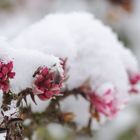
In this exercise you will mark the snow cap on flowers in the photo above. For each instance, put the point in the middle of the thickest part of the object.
(26, 62)
(92, 50)
(25, 68)
(131, 64)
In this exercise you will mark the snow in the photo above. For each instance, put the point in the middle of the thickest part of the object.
(26, 62)
(73, 104)
(2, 136)
(125, 24)
(13, 111)
(92, 49)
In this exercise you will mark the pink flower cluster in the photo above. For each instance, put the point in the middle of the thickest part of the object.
(6, 73)
(47, 83)
(107, 104)
(134, 80)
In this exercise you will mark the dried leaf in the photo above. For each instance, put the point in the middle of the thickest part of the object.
(2, 113)
(25, 99)
(15, 120)
(125, 4)
(19, 102)
(67, 117)
(33, 98)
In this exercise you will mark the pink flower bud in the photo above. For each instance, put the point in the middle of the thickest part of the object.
(6, 73)
(107, 104)
(47, 83)
(134, 80)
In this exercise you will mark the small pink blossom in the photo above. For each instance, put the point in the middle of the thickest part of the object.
(134, 89)
(134, 80)
(47, 83)
(6, 73)
(107, 104)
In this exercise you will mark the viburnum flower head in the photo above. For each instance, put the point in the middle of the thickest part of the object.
(6, 73)
(47, 83)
